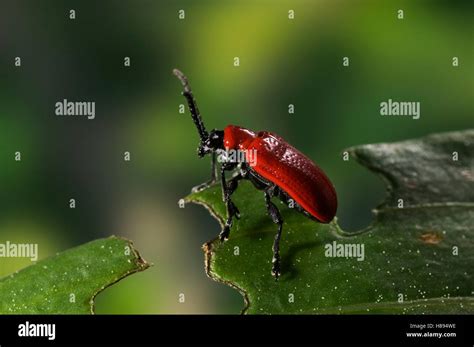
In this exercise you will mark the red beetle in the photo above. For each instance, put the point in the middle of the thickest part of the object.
(271, 164)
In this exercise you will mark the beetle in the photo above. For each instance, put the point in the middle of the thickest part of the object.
(280, 171)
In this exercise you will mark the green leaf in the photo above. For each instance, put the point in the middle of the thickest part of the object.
(417, 259)
(69, 281)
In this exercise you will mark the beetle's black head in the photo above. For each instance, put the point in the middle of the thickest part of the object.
(213, 142)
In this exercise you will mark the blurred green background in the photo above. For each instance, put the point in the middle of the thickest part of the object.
(282, 62)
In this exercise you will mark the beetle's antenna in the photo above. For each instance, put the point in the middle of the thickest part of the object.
(188, 94)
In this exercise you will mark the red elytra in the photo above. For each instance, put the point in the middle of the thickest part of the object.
(282, 164)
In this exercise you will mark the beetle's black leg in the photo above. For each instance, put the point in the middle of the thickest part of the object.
(276, 217)
(213, 179)
(227, 189)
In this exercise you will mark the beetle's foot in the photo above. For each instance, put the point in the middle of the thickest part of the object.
(202, 186)
(224, 235)
(276, 267)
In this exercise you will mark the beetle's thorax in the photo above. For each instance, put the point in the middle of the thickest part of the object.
(236, 137)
